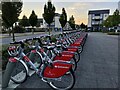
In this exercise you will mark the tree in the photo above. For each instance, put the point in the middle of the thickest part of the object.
(24, 21)
(72, 22)
(112, 20)
(10, 13)
(116, 18)
(83, 26)
(7, 26)
(108, 22)
(49, 13)
(77, 26)
(63, 18)
(33, 20)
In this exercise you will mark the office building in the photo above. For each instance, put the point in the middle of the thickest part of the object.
(96, 18)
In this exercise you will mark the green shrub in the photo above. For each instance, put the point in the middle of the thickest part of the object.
(19, 29)
(112, 30)
(104, 31)
(5, 55)
(113, 33)
(3, 31)
(54, 39)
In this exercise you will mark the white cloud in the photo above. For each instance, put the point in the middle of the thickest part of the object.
(80, 6)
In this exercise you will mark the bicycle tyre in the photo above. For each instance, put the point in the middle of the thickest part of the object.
(33, 57)
(17, 73)
(80, 49)
(71, 76)
(77, 56)
(74, 67)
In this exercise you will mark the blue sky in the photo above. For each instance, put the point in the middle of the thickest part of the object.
(78, 8)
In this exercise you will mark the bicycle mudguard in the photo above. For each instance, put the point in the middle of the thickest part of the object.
(79, 39)
(73, 49)
(58, 70)
(12, 59)
(67, 54)
(75, 44)
(65, 58)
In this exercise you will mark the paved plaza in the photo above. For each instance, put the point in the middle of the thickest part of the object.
(98, 67)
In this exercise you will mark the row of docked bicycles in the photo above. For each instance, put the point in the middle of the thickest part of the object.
(54, 62)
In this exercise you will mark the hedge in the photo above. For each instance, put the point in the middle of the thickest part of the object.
(113, 33)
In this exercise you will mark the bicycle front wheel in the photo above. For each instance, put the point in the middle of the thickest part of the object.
(65, 82)
(19, 73)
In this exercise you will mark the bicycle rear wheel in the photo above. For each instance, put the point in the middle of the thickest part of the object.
(80, 49)
(19, 73)
(77, 57)
(35, 58)
(74, 66)
(65, 82)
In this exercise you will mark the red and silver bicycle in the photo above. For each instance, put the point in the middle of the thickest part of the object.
(51, 72)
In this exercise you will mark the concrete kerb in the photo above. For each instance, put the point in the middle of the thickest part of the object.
(20, 34)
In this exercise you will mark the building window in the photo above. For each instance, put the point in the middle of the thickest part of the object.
(97, 14)
(97, 19)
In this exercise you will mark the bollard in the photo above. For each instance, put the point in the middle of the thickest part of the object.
(7, 74)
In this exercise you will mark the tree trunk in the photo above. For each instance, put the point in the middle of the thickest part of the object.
(32, 30)
(49, 29)
(62, 30)
(13, 34)
(9, 31)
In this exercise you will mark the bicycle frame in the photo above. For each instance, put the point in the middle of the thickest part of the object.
(43, 70)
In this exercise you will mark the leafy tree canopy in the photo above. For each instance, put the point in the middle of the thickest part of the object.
(49, 13)
(83, 25)
(63, 18)
(24, 21)
(112, 20)
(33, 19)
(72, 22)
(11, 11)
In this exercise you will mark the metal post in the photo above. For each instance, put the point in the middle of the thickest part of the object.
(7, 74)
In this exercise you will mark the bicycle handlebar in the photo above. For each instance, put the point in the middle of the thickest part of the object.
(16, 42)
(28, 39)
(36, 38)
(19, 42)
